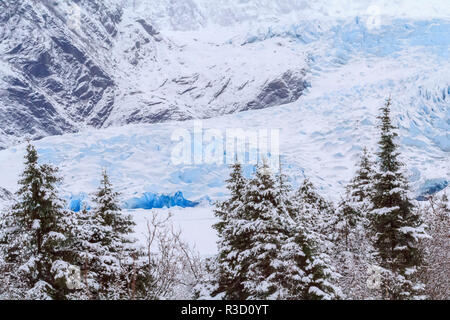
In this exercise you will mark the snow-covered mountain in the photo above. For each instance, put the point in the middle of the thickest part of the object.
(53, 78)
(70, 64)
(117, 77)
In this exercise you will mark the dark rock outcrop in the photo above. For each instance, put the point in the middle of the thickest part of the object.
(288, 88)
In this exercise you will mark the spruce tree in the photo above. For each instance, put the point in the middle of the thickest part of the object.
(284, 197)
(266, 250)
(286, 260)
(267, 234)
(361, 186)
(351, 216)
(436, 271)
(231, 245)
(353, 209)
(321, 211)
(111, 260)
(353, 245)
(313, 234)
(35, 235)
(397, 227)
(251, 235)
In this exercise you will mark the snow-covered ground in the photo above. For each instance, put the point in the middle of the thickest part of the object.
(195, 225)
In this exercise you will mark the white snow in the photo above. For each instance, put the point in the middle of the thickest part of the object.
(196, 14)
(194, 223)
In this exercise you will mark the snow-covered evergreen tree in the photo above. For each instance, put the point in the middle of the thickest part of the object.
(264, 252)
(397, 227)
(436, 271)
(35, 236)
(322, 213)
(352, 253)
(266, 229)
(114, 267)
(314, 235)
(232, 243)
(361, 187)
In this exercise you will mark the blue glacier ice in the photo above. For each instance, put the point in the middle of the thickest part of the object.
(147, 201)
(431, 187)
(156, 201)
(351, 37)
(76, 202)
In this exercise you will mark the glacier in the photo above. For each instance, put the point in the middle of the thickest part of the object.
(77, 202)
(140, 70)
(154, 201)
(431, 187)
(147, 201)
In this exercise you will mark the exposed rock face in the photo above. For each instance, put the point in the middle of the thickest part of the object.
(53, 79)
(287, 89)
